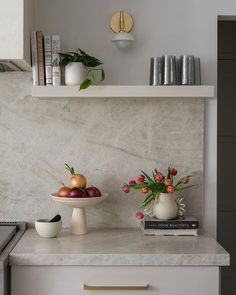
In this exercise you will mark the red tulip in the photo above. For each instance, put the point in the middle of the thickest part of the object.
(173, 171)
(139, 215)
(159, 177)
(170, 189)
(145, 190)
(141, 178)
(125, 189)
(185, 179)
(132, 182)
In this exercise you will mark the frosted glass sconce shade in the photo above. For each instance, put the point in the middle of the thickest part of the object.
(122, 24)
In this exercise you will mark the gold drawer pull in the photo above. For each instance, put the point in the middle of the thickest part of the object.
(115, 288)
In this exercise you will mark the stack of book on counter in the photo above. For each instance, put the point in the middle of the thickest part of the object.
(45, 59)
(185, 226)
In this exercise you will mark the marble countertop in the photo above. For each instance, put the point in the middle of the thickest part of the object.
(117, 247)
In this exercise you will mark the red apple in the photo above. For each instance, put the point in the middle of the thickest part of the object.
(93, 192)
(77, 193)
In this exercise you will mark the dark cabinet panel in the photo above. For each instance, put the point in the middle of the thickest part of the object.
(226, 237)
(228, 282)
(227, 97)
(226, 37)
(226, 149)
(226, 172)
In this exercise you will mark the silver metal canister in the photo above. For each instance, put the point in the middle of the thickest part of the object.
(156, 71)
(187, 70)
(170, 70)
(184, 70)
(191, 70)
(197, 71)
(173, 70)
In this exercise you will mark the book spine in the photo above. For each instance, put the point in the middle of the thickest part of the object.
(56, 44)
(56, 76)
(48, 59)
(40, 50)
(34, 58)
(56, 72)
(170, 234)
(171, 225)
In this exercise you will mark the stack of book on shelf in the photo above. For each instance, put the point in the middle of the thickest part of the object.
(185, 226)
(45, 59)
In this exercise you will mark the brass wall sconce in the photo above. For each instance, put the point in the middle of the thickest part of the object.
(121, 24)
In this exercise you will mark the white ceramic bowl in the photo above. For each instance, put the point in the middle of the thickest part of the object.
(80, 202)
(48, 229)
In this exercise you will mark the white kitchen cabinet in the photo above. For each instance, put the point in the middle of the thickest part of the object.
(16, 21)
(153, 280)
(119, 258)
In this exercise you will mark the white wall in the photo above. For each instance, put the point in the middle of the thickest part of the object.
(161, 27)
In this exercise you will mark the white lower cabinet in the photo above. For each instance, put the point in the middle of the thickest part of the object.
(92, 280)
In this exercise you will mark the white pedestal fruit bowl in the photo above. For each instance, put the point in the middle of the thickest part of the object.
(78, 221)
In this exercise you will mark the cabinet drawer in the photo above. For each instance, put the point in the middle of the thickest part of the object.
(92, 280)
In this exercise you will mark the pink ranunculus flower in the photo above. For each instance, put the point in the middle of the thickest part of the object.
(132, 182)
(185, 179)
(159, 177)
(141, 178)
(125, 189)
(168, 182)
(170, 189)
(145, 190)
(139, 215)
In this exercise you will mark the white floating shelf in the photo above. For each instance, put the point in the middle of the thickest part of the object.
(134, 91)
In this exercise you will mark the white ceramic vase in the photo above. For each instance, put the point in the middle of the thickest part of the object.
(75, 73)
(165, 206)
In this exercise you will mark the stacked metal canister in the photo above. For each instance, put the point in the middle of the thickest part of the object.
(168, 70)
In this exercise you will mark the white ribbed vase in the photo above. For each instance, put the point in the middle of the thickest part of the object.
(75, 73)
(165, 206)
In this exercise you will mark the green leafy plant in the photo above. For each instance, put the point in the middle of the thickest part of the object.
(91, 63)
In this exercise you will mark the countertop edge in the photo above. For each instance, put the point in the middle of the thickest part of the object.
(120, 260)
(117, 247)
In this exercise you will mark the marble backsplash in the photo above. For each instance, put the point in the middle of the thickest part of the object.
(108, 140)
